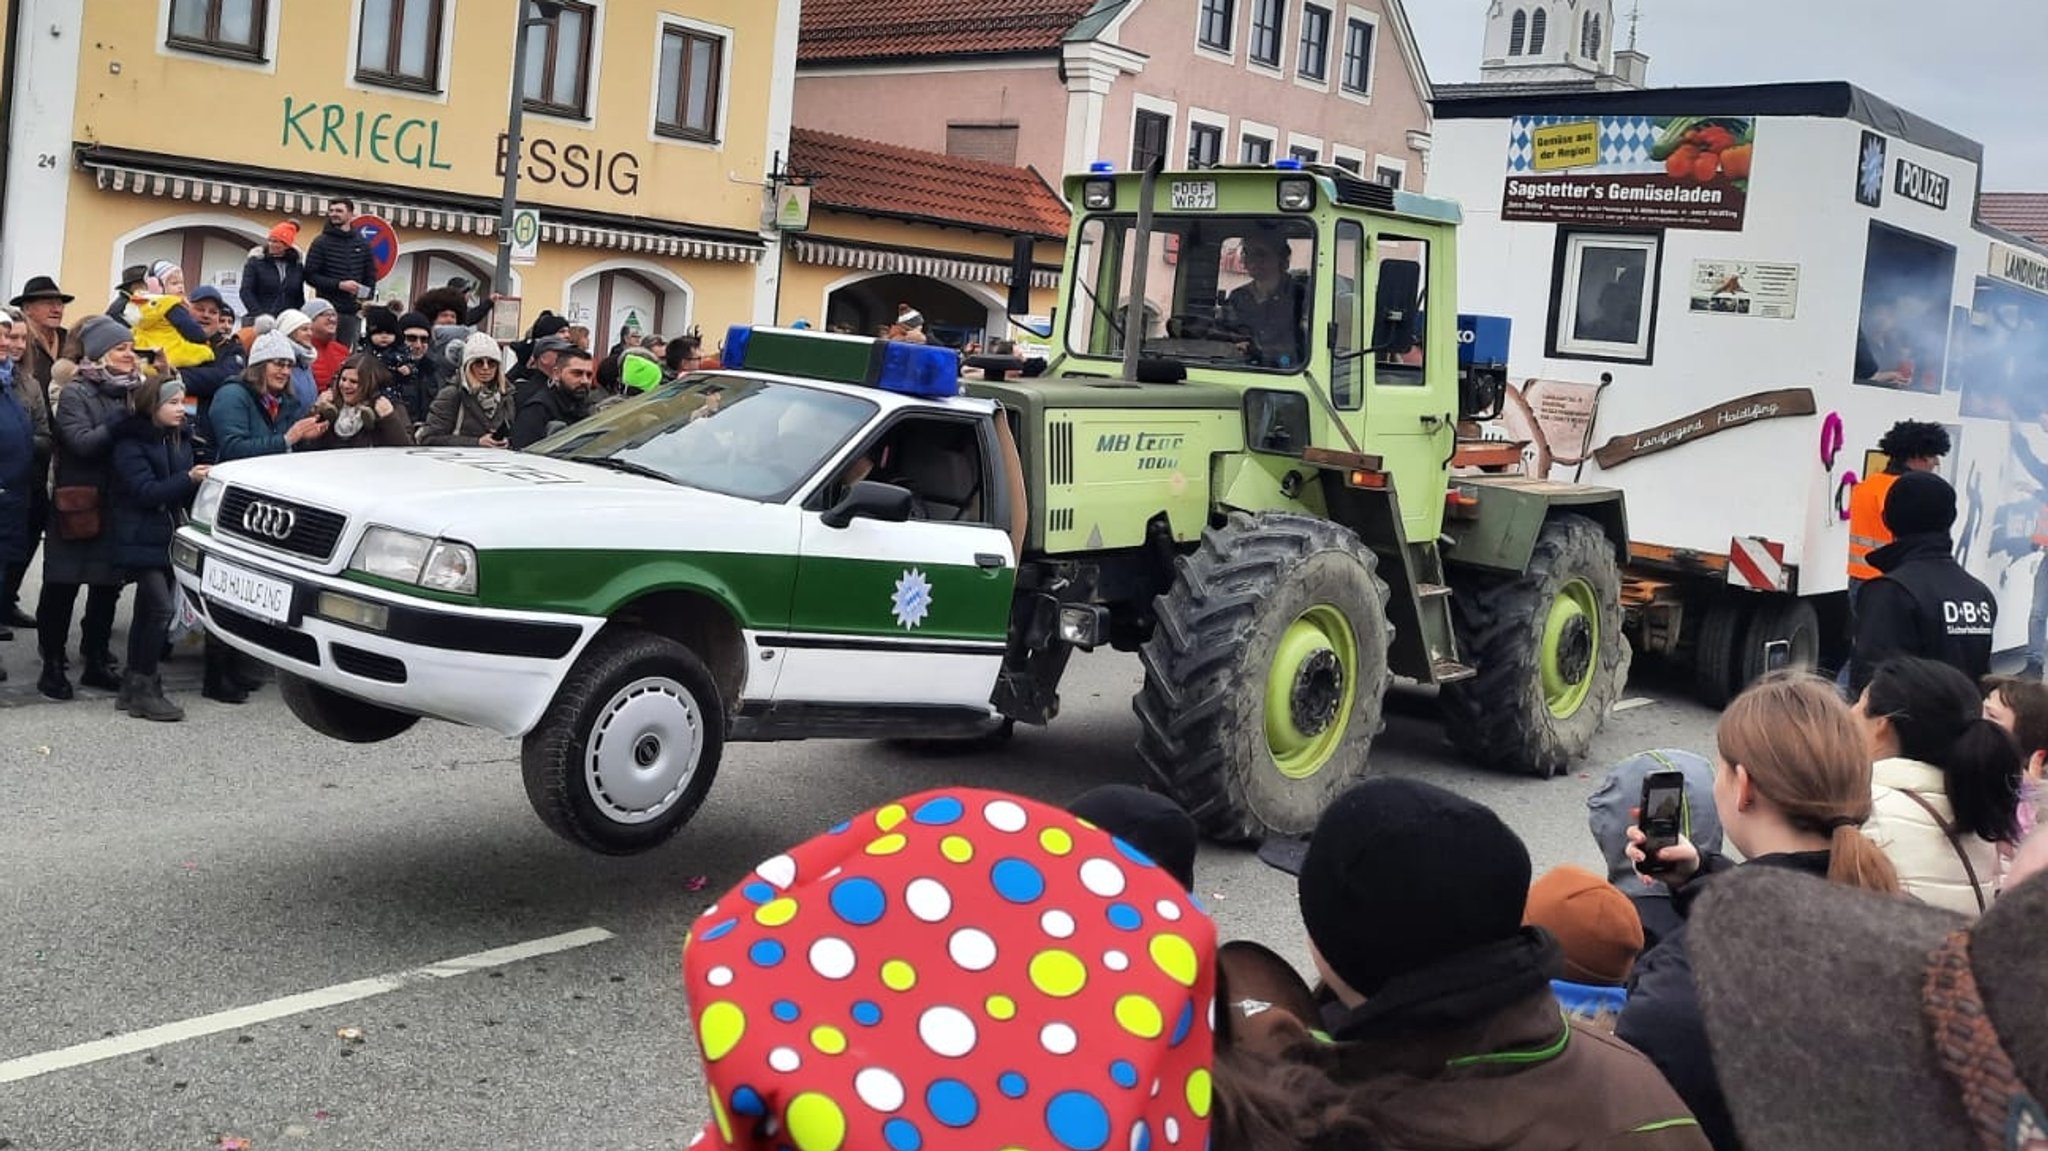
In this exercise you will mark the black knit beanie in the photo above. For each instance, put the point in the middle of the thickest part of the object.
(379, 321)
(413, 320)
(1919, 503)
(1401, 875)
(1148, 821)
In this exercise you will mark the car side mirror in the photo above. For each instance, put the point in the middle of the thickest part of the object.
(869, 500)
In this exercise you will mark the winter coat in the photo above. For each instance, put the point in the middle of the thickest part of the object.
(164, 323)
(243, 429)
(1927, 860)
(32, 377)
(1924, 605)
(203, 383)
(1475, 1052)
(327, 360)
(305, 388)
(270, 287)
(338, 254)
(392, 431)
(87, 413)
(546, 412)
(1662, 1019)
(17, 475)
(457, 419)
(152, 486)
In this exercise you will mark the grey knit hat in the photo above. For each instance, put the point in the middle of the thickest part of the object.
(1843, 1018)
(101, 334)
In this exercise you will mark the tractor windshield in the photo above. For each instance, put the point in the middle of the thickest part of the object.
(729, 434)
(1220, 290)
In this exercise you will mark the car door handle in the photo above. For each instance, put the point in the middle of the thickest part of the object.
(990, 560)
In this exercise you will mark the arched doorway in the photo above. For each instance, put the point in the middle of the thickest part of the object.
(609, 297)
(210, 251)
(422, 267)
(952, 315)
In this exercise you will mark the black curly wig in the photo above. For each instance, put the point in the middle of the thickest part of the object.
(1913, 440)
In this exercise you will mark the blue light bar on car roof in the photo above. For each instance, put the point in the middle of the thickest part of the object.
(892, 366)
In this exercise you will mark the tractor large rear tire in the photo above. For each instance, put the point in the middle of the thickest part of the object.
(1549, 651)
(1265, 675)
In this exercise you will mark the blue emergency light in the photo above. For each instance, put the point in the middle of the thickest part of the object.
(891, 365)
(1288, 164)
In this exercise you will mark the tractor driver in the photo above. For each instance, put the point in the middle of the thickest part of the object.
(1270, 314)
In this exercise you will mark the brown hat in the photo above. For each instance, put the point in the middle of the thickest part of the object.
(1841, 1018)
(1595, 924)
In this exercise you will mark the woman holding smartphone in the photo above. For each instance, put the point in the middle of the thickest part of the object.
(1792, 789)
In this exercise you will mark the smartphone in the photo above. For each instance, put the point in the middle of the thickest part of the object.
(1662, 817)
(1777, 655)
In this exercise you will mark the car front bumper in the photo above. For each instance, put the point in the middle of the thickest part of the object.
(479, 667)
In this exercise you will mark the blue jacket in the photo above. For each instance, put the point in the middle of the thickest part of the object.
(152, 484)
(17, 475)
(204, 382)
(240, 427)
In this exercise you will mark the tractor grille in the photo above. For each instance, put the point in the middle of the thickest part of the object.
(1059, 451)
(1059, 520)
(283, 525)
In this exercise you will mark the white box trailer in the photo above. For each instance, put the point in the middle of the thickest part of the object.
(1720, 299)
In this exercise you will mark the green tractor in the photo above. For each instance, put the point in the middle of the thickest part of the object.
(1242, 464)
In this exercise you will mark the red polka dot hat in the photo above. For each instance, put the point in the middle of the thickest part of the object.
(957, 971)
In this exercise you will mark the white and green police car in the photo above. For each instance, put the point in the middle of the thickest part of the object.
(817, 541)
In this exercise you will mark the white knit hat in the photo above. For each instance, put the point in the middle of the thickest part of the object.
(272, 346)
(291, 320)
(481, 347)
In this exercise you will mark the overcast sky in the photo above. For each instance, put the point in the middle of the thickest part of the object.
(1975, 66)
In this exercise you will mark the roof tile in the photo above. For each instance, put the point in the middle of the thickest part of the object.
(849, 30)
(2021, 213)
(891, 180)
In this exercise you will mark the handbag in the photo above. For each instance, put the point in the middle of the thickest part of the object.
(78, 511)
(1948, 829)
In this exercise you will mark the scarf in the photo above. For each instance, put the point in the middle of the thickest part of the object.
(490, 399)
(1459, 991)
(108, 382)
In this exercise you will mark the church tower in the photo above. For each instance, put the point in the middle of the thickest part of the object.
(1559, 42)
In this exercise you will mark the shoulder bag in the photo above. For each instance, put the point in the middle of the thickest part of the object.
(1948, 829)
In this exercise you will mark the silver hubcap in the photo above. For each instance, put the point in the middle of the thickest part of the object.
(644, 749)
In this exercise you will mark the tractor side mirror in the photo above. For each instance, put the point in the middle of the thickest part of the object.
(1397, 304)
(869, 500)
(1021, 267)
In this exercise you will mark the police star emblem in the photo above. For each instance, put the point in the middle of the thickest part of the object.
(912, 600)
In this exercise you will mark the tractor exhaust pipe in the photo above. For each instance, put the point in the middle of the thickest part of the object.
(1141, 268)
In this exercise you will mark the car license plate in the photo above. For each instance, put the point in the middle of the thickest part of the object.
(246, 591)
(1194, 195)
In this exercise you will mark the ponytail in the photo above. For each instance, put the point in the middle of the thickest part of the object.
(1939, 719)
(1855, 860)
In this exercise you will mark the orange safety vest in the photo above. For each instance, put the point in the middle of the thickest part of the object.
(1867, 532)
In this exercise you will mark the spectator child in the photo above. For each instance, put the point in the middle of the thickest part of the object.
(1946, 782)
(2020, 706)
(1600, 935)
(154, 478)
(400, 344)
(1611, 812)
(1148, 821)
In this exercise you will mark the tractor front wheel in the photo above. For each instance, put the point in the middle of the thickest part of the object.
(1265, 675)
(1549, 651)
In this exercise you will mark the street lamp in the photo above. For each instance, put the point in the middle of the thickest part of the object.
(537, 14)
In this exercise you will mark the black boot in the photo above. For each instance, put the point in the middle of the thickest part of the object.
(245, 673)
(54, 683)
(146, 700)
(102, 671)
(126, 699)
(220, 683)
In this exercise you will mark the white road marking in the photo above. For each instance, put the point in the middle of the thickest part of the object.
(1632, 704)
(30, 1066)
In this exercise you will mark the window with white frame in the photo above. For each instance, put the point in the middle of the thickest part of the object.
(219, 27)
(687, 101)
(1350, 163)
(1150, 135)
(1391, 177)
(556, 74)
(1304, 153)
(1605, 308)
(1255, 149)
(399, 44)
(1314, 60)
(1268, 21)
(1217, 18)
(1205, 144)
(1358, 44)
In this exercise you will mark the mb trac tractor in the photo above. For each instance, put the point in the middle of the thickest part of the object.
(1243, 462)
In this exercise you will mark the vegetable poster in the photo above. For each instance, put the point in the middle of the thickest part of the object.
(1630, 171)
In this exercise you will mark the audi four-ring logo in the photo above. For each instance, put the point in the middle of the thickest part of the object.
(269, 521)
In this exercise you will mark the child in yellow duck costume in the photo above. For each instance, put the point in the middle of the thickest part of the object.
(162, 322)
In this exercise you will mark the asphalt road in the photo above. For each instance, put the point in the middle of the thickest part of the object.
(151, 875)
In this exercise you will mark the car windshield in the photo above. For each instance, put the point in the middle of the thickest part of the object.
(1219, 290)
(743, 437)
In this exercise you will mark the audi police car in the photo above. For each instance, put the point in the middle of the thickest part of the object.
(734, 555)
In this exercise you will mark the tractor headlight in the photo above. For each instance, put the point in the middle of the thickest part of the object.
(1297, 195)
(206, 505)
(1098, 195)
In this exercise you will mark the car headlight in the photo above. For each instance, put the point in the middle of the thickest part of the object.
(206, 505)
(450, 567)
(392, 554)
